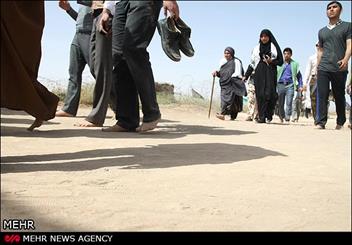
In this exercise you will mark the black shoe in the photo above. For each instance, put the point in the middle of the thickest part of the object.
(170, 38)
(185, 44)
(259, 120)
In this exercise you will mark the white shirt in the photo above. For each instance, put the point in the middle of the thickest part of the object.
(255, 58)
(311, 69)
(330, 27)
(110, 5)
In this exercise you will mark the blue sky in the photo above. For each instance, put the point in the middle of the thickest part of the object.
(215, 25)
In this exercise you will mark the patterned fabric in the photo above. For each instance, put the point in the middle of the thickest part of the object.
(252, 105)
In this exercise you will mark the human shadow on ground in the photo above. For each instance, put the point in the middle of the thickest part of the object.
(164, 131)
(5, 111)
(23, 121)
(159, 156)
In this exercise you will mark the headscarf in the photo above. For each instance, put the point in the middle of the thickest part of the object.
(265, 49)
(85, 3)
(231, 51)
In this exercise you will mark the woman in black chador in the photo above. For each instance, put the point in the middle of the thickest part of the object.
(266, 56)
(232, 87)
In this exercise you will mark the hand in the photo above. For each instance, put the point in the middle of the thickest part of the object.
(172, 7)
(103, 25)
(342, 64)
(300, 89)
(349, 89)
(267, 59)
(65, 5)
(244, 79)
(214, 73)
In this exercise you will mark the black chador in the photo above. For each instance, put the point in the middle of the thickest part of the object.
(232, 88)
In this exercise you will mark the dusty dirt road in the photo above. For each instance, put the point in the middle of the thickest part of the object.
(190, 174)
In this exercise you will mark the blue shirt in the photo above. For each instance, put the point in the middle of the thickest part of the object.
(286, 76)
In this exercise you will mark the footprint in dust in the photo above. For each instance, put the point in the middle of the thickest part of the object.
(211, 211)
(98, 182)
(65, 182)
(216, 211)
(20, 192)
(203, 210)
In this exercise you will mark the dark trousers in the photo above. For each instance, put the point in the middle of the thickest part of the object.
(266, 108)
(297, 106)
(313, 97)
(338, 82)
(79, 58)
(133, 27)
(101, 67)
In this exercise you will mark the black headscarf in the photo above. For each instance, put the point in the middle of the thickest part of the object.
(265, 49)
(85, 3)
(231, 51)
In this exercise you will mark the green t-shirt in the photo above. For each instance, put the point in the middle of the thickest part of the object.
(333, 43)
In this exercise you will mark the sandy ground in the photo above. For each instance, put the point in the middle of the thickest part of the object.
(191, 174)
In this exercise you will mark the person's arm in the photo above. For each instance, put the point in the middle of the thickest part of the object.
(252, 64)
(65, 5)
(300, 82)
(172, 7)
(307, 72)
(344, 62)
(248, 73)
(320, 54)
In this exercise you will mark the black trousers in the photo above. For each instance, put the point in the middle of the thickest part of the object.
(133, 27)
(338, 83)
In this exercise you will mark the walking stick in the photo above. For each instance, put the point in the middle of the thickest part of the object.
(211, 96)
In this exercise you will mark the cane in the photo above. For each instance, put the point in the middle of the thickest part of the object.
(211, 96)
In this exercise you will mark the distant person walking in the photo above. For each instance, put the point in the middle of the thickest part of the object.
(289, 80)
(310, 81)
(232, 87)
(22, 24)
(265, 58)
(79, 56)
(333, 55)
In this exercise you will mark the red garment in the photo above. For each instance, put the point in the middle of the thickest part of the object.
(22, 24)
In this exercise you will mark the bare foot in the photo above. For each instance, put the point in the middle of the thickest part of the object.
(86, 124)
(115, 128)
(62, 113)
(147, 126)
(36, 124)
(221, 117)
